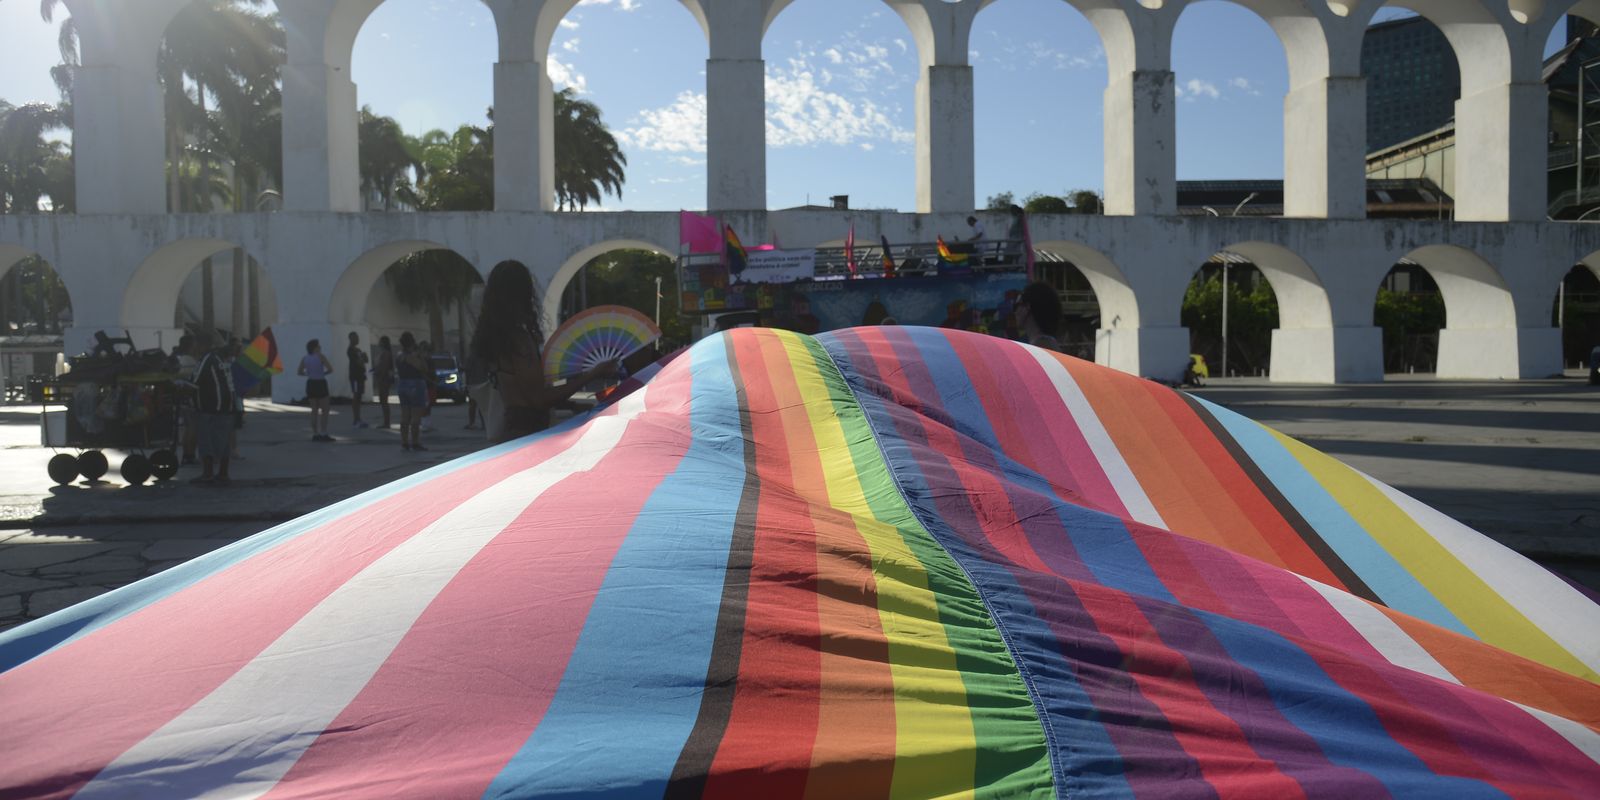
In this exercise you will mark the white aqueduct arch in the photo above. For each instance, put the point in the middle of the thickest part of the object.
(550, 291)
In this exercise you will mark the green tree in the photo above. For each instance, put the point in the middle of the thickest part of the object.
(32, 166)
(1252, 314)
(1410, 321)
(1037, 203)
(388, 158)
(999, 202)
(429, 281)
(1084, 201)
(589, 163)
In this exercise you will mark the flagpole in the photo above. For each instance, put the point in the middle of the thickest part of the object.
(658, 301)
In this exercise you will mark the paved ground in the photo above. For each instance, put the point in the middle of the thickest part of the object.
(1519, 461)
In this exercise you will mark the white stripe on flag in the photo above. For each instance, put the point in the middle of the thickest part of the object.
(1587, 741)
(1389, 639)
(1562, 612)
(240, 740)
(1105, 451)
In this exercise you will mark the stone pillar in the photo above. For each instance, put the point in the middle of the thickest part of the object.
(524, 142)
(321, 134)
(1500, 154)
(1499, 353)
(1327, 355)
(1324, 153)
(945, 171)
(1140, 139)
(1156, 352)
(119, 160)
(736, 134)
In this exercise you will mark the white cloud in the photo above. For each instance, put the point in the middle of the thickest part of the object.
(569, 24)
(563, 75)
(1195, 88)
(678, 128)
(1244, 85)
(621, 5)
(807, 103)
(570, 45)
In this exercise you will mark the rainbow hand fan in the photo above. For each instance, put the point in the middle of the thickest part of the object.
(595, 335)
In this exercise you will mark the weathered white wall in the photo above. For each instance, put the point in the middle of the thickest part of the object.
(1498, 279)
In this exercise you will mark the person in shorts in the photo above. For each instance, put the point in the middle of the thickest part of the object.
(358, 378)
(316, 368)
(214, 405)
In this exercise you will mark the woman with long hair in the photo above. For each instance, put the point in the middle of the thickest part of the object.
(508, 343)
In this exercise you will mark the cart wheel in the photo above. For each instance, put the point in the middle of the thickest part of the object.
(163, 464)
(136, 469)
(93, 465)
(63, 468)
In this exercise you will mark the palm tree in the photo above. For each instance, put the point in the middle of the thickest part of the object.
(32, 167)
(388, 158)
(429, 281)
(589, 162)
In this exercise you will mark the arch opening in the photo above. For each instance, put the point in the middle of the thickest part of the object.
(219, 69)
(1097, 300)
(205, 284)
(418, 286)
(1221, 88)
(852, 99)
(565, 293)
(1414, 78)
(1575, 310)
(1037, 148)
(621, 143)
(35, 312)
(1448, 301)
(1279, 321)
(423, 134)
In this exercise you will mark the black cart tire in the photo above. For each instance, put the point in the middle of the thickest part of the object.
(93, 465)
(63, 468)
(135, 469)
(163, 465)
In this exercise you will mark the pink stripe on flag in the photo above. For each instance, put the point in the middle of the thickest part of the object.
(124, 688)
(493, 645)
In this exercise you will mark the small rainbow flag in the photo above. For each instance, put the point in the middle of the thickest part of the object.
(734, 250)
(258, 362)
(944, 253)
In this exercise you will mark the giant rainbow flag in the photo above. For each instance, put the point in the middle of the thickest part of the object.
(882, 562)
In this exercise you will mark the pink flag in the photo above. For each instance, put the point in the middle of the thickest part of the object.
(850, 249)
(701, 233)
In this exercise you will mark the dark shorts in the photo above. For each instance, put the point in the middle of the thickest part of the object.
(358, 387)
(413, 392)
(316, 388)
(213, 432)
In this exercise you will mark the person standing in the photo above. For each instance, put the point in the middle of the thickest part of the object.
(316, 368)
(187, 363)
(431, 380)
(214, 409)
(508, 343)
(383, 376)
(412, 391)
(358, 378)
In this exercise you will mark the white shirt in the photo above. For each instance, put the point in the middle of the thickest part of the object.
(977, 232)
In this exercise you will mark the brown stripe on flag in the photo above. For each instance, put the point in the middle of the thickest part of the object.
(716, 702)
(1352, 582)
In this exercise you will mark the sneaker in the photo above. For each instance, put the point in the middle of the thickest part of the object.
(361, 423)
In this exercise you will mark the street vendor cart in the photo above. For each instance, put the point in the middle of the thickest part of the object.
(122, 400)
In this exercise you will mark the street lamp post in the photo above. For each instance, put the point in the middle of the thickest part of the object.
(1224, 318)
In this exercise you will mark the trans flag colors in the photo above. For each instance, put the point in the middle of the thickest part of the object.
(881, 562)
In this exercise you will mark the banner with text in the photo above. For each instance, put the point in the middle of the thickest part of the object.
(778, 266)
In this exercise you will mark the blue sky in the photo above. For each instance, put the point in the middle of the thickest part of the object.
(840, 84)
